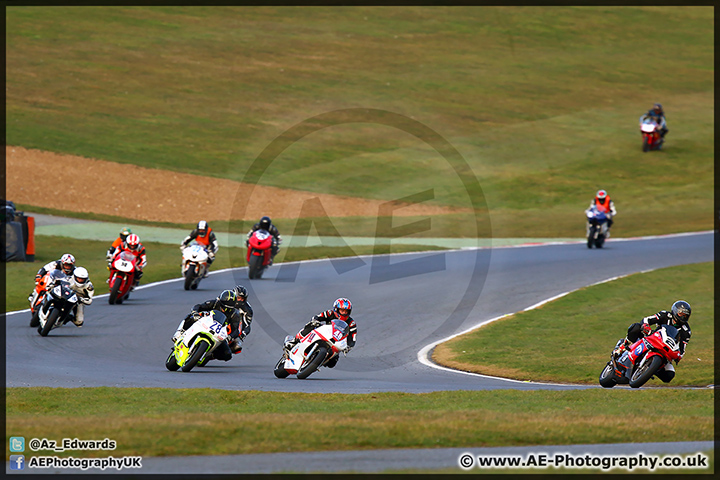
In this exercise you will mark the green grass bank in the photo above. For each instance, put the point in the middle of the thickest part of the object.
(570, 339)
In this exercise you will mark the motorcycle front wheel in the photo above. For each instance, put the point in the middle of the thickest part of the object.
(255, 267)
(114, 291)
(646, 143)
(201, 347)
(51, 319)
(591, 237)
(313, 363)
(644, 373)
(607, 379)
(280, 371)
(189, 277)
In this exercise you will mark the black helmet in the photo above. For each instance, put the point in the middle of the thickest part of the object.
(241, 293)
(657, 108)
(264, 223)
(227, 299)
(681, 312)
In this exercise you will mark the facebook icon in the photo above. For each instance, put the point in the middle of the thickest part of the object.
(17, 462)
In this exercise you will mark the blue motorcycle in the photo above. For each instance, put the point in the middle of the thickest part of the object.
(597, 228)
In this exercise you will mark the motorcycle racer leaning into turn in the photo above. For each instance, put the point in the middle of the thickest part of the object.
(341, 311)
(678, 317)
(238, 315)
(66, 264)
(81, 284)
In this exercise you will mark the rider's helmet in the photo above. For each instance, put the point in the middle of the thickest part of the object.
(600, 196)
(81, 275)
(67, 262)
(681, 312)
(124, 233)
(133, 241)
(657, 109)
(241, 293)
(342, 307)
(264, 223)
(202, 228)
(227, 299)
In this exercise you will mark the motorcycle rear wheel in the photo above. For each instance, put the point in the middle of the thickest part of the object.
(51, 319)
(171, 363)
(313, 363)
(641, 376)
(200, 350)
(280, 371)
(607, 376)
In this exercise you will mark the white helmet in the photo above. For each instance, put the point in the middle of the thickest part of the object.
(67, 263)
(81, 275)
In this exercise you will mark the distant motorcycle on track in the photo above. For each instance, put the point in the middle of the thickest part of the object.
(597, 228)
(122, 277)
(652, 140)
(194, 265)
(259, 253)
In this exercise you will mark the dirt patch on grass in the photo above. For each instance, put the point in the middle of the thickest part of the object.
(79, 184)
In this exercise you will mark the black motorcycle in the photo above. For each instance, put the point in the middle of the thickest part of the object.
(57, 309)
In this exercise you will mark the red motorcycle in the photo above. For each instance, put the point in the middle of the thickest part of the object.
(122, 277)
(643, 359)
(259, 253)
(41, 291)
(651, 135)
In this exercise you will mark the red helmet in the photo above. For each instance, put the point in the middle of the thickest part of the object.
(342, 308)
(133, 241)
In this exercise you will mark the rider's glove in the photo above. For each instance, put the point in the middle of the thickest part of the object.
(646, 329)
(38, 277)
(315, 323)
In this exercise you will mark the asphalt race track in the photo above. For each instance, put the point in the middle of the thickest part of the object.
(401, 304)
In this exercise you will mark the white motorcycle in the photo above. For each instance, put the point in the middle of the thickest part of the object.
(194, 265)
(198, 342)
(314, 350)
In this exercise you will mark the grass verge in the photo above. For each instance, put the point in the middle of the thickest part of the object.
(570, 339)
(157, 422)
(163, 262)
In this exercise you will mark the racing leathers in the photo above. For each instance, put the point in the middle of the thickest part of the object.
(607, 207)
(85, 292)
(208, 242)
